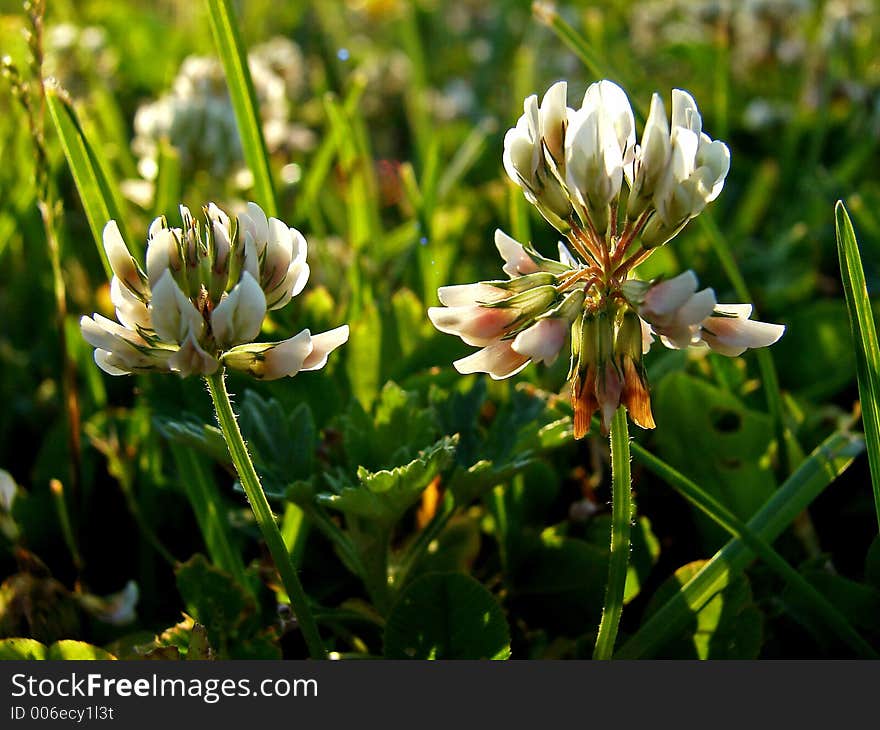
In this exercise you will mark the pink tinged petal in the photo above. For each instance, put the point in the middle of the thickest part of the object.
(323, 344)
(120, 259)
(697, 308)
(732, 336)
(173, 314)
(666, 296)
(239, 317)
(130, 310)
(465, 294)
(191, 359)
(543, 340)
(499, 360)
(270, 361)
(516, 261)
(475, 325)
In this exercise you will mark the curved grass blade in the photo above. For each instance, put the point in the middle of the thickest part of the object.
(739, 529)
(864, 334)
(244, 101)
(830, 459)
(89, 173)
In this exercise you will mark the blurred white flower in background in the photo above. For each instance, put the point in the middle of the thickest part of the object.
(197, 117)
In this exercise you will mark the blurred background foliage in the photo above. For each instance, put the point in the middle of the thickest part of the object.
(384, 121)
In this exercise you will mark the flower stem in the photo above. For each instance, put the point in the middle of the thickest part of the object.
(263, 513)
(621, 516)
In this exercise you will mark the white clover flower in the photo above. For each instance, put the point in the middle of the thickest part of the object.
(203, 297)
(572, 165)
(197, 117)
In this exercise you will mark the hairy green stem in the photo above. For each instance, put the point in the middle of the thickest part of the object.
(621, 518)
(263, 513)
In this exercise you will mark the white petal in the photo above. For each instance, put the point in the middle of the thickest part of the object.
(255, 223)
(737, 310)
(666, 296)
(516, 261)
(239, 317)
(191, 359)
(685, 113)
(323, 344)
(465, 294)
(121, 261)
(173, 314)
(104, 360)
(554, 116)
(565, 256)
(543, 340)
(162, 254)
(130, 311)
(500, 360)
(733, 336)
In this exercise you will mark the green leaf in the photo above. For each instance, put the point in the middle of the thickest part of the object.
(824, 465)
(225, 26)
(385, 495)
(76, 650)
(725, 449)
(362, 355)
(872, 563)
(89, 174)
(11, 649)
(865, 338)
(227, 611)
(446, 616)
(728, 626)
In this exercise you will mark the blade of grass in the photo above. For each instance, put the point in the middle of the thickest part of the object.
(830, 459)
(168, 180)
(209, 511)
(864, 334)
(224, 24)
(599, 68)
(739, 529)
(95, 191)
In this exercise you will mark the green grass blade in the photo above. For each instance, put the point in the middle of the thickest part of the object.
(89, 173)
(168, 181)
(244, 101)
(739, 529)
(581, 48)
(865, 339)
(830, 459)
(209, 512)
(621, 522)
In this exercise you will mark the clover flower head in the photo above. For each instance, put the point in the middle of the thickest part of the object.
(574, 166)
(197, 117)
(202, 297)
